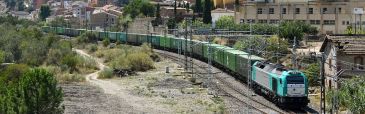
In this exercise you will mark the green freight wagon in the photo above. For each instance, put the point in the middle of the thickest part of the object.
(122, 37)
(168, 42)
(241, 64)
(46, 29)
(132, 38)
(220, 55)
(155, 39)
(103, 34)
(198, 48)
(163, 42)
(112, 36)
(60, 30)
(212, 46)
(186, 46)
(82, 31)
(175, 43)
(74, 32)
(230, 59)
(142, 38)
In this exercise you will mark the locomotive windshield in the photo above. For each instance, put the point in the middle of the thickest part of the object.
(295, 80)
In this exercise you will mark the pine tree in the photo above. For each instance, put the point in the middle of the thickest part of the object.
(45, 12)
(207, 17)
(198, 6)
(158, 19)
(187, 6)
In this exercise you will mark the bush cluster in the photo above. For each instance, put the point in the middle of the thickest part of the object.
(34, 91)
(128, 58)
(106, 73)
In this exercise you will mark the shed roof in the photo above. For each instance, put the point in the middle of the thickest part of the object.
(353, 45)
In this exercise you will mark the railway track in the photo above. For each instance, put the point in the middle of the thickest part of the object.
(227, 88)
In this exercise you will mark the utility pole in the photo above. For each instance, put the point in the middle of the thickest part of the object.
(323, 89)
(186, 44)
(335, 102)
(294, 58)
(191, 48)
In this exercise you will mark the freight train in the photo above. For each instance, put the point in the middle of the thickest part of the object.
(284, 87)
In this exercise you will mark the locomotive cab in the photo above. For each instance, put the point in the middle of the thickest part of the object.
(296, 90)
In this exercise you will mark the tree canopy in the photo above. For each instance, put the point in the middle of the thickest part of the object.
(291, 29)
(207, 17)
(36, 92)
(351, 95)
(139, 7)
(45, 12)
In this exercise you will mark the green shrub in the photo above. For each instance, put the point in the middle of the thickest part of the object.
(140, 62)
(68, 78)
(87, 37)
(12, 73)
(70, 61)
(2, 56)
(41, 94)
(86, 62)
(106, 73)
(92, 48)
(106, 42)
(121, 63)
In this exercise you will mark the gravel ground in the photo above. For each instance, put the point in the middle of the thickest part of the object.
(86, 98)
(154, 92)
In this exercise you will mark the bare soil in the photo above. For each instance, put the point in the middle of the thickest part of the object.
(153, 92)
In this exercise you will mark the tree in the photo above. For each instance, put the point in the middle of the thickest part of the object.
(312, 72)
(225, 22)
(158, 19)
(41, 93)
(148, 9)
(58, 22)
(175, 11)
(124, 21)
(198, 7)
(207, 17)
(45, 12)
(187, 6)
(275, 45)
(291, 29)
(137, 7)
(351, 95)
(2, 56)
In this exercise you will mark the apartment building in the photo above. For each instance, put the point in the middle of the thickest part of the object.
(329, 16)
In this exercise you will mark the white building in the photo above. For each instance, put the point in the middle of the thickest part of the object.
(219, 12)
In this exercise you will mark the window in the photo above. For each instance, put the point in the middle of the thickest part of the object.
(324, 10)
(283, 11)
(274, 21)
(242, 20)
(262, 21)
(329, 22)
(271, 10)
(315, 22)
(330, 64)
(343, 22)
(358, 62)
(310, 11)
(297, 10)
(250, 20)
(259, 10)
(348, 22)
(339, 10)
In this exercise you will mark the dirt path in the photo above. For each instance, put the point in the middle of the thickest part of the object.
(139, 105)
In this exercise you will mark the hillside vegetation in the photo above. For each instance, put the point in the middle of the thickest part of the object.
(32, 65)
